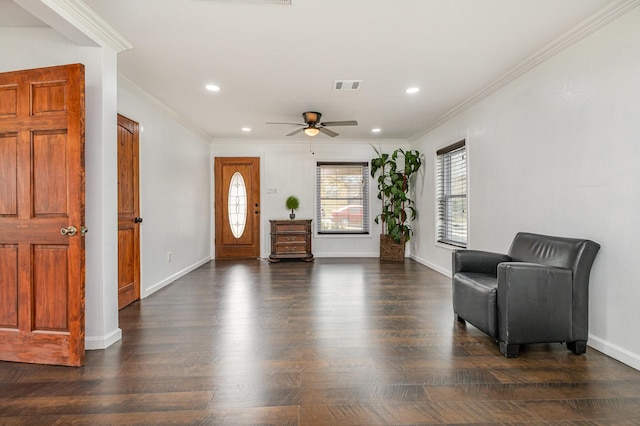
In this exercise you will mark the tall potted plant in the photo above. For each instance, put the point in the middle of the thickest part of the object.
(393, 177)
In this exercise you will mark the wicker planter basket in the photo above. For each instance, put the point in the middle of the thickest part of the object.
(390, 249)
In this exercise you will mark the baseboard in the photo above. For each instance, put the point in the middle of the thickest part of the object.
(338, 254)
(609, 349)
(431, 265)
(102, 342)
(149, 291)
(614, 351)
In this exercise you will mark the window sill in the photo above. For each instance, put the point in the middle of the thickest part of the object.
(449, 247)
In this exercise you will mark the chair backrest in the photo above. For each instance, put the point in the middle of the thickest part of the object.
(571, 253)
(552, 251)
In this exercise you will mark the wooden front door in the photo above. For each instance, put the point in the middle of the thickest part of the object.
(42, 215)
(129, 219)
(237, 205)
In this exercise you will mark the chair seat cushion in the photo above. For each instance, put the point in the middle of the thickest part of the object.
(474, 300)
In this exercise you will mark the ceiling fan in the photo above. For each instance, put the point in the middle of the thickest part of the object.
(312, 125)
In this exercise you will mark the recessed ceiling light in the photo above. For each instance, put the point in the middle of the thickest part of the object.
(246, 129)
(376, 130)
(413, 90)
(212, 87)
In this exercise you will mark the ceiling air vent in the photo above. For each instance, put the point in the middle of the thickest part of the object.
(281, 2)
(346, 84)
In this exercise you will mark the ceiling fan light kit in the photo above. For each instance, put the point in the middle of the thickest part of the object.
(311, 131)
(313, 126)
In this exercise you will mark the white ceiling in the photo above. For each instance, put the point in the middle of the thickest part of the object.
(273, 62)
(12, 15)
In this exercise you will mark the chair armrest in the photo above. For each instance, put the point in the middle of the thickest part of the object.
(477, 261)
(534, 303)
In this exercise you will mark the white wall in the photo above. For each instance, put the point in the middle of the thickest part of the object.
(175, 191)
(289, 168)
(556, 152)
(25, 48)
(175, 177)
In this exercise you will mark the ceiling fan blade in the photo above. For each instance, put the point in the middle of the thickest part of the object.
(340, 123)
(294, 124)
(328, 132)
(296, 132)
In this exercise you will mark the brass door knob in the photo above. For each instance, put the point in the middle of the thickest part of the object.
(70, 231)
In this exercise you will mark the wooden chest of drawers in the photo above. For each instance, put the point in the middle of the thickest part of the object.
(291, 239)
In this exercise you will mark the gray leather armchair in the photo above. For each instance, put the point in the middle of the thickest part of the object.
(537, 293)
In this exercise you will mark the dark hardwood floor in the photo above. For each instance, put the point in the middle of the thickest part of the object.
(335, 342)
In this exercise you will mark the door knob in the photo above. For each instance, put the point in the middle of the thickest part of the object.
(138, 220)
(70, 231)
(83, 230)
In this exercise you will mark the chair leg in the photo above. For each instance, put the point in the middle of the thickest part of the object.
(578, 347)
(510, 351)
(458, 318)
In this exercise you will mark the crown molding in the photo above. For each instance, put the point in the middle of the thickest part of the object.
(125, 83)
(297, 141)
(75, 20)
(79, 12)
(602, 17)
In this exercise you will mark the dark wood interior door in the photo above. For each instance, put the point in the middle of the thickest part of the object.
(129, 219)
(42, 215)
(237, 205)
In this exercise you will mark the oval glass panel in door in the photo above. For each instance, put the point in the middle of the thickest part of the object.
(237, 204)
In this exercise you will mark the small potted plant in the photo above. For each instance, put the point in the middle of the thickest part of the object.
(292, 204)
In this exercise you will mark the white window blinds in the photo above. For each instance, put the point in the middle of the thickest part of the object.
(342, 205)
(451, 182)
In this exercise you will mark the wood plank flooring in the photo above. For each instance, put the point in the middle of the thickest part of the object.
(335, 342)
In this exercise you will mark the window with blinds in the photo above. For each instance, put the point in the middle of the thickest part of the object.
(451, 187)
(342, 205)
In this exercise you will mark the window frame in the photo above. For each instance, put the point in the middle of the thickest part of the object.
(365, 197)
(443, 215)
